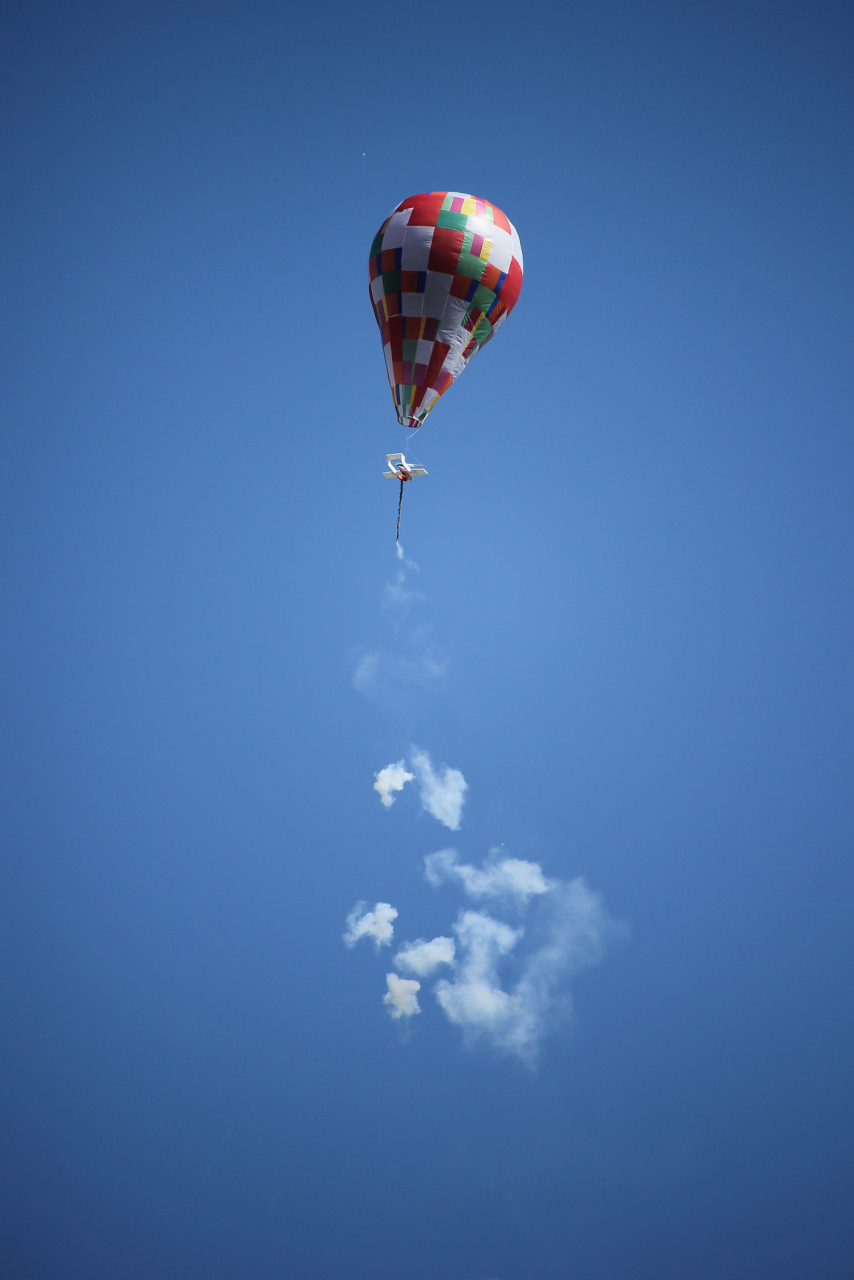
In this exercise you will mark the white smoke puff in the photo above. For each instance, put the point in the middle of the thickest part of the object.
(475, 1000)
(401, 555)
(442, 791)
(509, 878)
(401, 998)
(393, 777)
(423, 957)
(376, 924)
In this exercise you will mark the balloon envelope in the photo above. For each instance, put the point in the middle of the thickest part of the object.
(445, 271)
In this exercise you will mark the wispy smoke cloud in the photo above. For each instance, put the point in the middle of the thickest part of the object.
(412, 661)
(365, 675)
(393, 777)
(401, 997)
(397, 597)
(423, 957)
(515, 1021)
(381, 674)
(442, 791)
(577, 934)
(376, 924)
(508, 878)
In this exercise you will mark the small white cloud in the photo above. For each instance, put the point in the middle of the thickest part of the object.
(393, 777)
(509, 878)
(401, 997)
(442, 791)
(376, 924)
(422, 957)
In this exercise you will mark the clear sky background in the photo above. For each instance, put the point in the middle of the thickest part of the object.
(631, 634)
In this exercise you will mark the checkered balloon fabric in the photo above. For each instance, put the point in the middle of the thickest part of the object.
(445, 271)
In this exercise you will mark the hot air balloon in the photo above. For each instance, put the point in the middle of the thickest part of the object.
(445, 271)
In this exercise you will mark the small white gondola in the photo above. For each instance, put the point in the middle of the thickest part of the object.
(400, 468)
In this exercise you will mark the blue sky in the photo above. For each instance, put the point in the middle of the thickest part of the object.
(630, 633)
